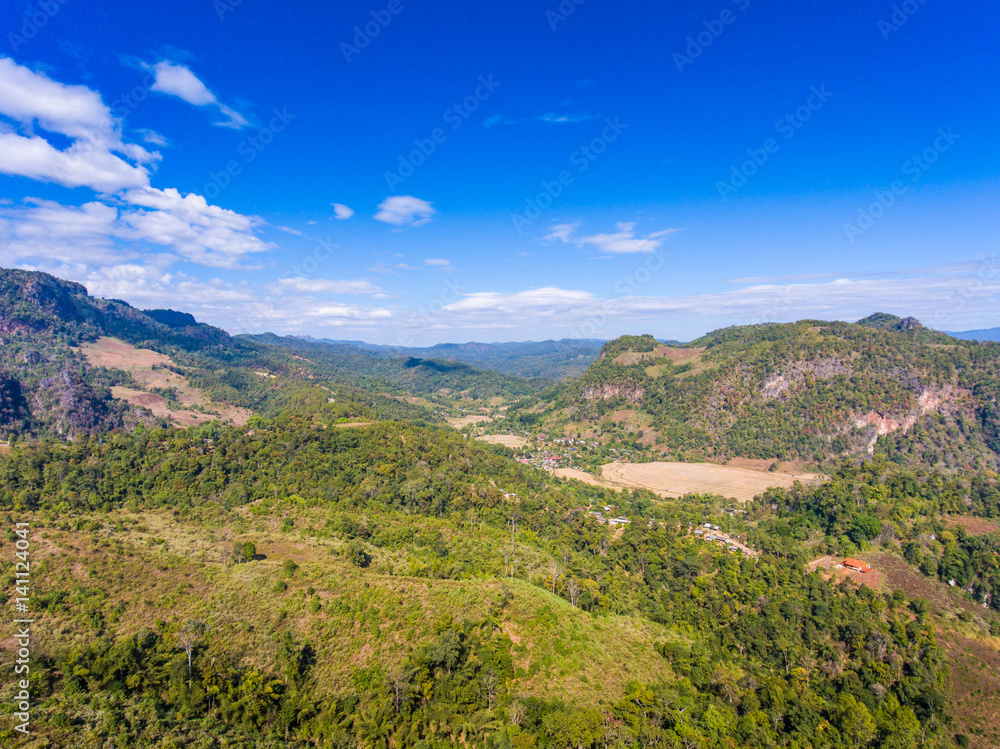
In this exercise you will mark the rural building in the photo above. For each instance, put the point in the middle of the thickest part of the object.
(856, 564)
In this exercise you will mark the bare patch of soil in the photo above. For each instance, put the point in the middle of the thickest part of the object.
(148, 368)
(671, 479)
(507, 440)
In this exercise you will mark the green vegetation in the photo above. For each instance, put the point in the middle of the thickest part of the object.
(753, 652)
(343, 570)
(811, 391)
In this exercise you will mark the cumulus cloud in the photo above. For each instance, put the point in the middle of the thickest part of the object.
(405, 210)
(98, 233)
(930, 294)
(342, 211)
(43, 230)
(189, 225)
(147, 286)
(96, 156)
(437, 262)
(178, 80)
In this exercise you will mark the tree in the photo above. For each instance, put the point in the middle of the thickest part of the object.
(554, 573)
(189, 635)
(573, 589)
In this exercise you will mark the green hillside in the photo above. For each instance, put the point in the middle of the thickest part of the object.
(363, 585)
(808, 391)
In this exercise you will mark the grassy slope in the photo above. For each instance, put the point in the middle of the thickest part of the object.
(154, 569)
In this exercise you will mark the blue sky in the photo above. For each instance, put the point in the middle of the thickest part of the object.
(409, 172)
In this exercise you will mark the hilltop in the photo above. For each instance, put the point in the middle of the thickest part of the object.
(809, 391)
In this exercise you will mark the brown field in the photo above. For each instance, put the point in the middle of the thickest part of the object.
(115, 354)
(670, 479)
(457, 422)
(507, 440)
(975, 526)
(587, 478)
(675, 355)
(975, 681)
(783, 466)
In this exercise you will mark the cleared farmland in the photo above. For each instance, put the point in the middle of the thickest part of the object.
(671, 479)
(148, 368)
(507, 440)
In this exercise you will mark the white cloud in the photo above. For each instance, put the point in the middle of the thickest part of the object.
(98, 233)
(152, 137)
(94, 157)
(44, 230)
(405, 210)
(561, 232)
(149, 287)
(556, 119)
(550, 300)
(75, 111)
(81, 165)
(342, 211)
(327, 286)
(201, 232)
(929, 294)
(625, 241)
(437, 262)
(621, 242)
(178, 80)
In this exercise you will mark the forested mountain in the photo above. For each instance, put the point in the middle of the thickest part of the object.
(811, 390)
(345, 587)
(47, 385)
(554, 360)
(337, 568)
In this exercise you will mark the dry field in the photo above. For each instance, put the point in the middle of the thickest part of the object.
(457, 422)
(670, 479)
(507, 440)
(587, 478)
(115, 354)
(974, 526)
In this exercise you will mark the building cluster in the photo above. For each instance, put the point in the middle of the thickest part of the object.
(613, 522)
(711, 532)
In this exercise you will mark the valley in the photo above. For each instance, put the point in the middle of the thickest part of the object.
(365, 547)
